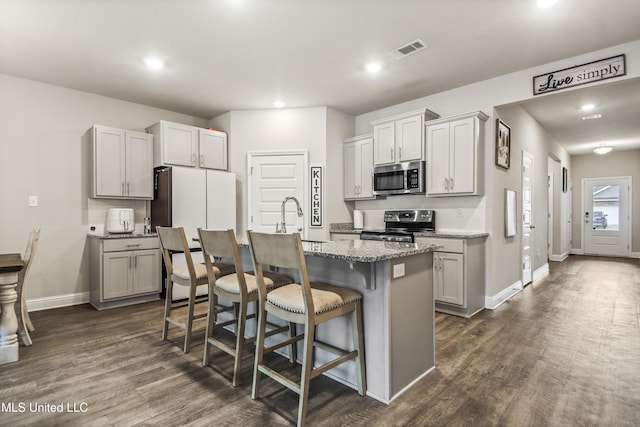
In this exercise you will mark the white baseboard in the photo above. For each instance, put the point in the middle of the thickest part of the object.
(560, 257)
(576, 252)
(57, 301)
(541, 271)
(634, 255)
(494, 301)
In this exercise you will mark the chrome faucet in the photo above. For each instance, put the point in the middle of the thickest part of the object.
(282, 227)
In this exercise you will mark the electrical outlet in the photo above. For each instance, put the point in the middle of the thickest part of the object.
(33, 201)
(398, 270)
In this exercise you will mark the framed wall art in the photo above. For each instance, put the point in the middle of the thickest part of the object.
(509, 213)
(503, 144)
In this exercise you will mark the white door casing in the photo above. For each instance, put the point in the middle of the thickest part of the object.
(527, 218)
(613, 238)
(274, 175)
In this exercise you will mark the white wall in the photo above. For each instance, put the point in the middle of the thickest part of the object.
(42, 153)
(319, 130)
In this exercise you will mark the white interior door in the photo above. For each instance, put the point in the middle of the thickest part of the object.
(273, 176)
(550, 187)
(527, 218)
(606, 215)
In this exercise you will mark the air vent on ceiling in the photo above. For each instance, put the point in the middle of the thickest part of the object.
(408, 49)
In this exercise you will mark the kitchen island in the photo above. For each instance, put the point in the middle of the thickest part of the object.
(395, 280)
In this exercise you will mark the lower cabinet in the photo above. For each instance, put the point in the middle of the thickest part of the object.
(458, 274)
(124, 271)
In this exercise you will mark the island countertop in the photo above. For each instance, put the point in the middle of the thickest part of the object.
(360, 250)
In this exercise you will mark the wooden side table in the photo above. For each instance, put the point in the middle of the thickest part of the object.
(10, 265)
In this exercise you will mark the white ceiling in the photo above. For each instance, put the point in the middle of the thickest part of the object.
(244, 54)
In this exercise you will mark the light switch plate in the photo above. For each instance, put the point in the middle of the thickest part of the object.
(398, 270)
(33, 200)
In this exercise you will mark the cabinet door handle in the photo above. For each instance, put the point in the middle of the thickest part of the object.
(446, 183)
(136, 261)
(392, 156)
(193, 159)
(452, 183)
(128, 188)
(400, 152)
(133, 245)
(122, 192)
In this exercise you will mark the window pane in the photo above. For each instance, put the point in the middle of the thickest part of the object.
(606, 207)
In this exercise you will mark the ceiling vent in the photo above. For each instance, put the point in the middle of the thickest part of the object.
(408, 49)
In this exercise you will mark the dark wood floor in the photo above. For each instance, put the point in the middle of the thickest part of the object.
(563, 352)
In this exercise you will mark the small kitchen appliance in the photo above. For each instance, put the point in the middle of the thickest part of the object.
(399, 178)
(120, 220)
(401, 225)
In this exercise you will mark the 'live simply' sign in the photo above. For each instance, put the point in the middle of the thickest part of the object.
(580, 74)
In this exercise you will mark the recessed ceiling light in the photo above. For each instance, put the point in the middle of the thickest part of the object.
(279, 104)
(373, 67)
(591, 117)
(587, 107)
(154, 63)
(546, 3)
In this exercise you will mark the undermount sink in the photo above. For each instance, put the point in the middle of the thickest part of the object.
(314, 241)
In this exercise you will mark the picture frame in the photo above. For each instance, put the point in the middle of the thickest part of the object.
(564, 179)
(503, 144)
(510, 205)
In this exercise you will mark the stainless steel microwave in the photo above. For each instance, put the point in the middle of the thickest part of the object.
(399, 178)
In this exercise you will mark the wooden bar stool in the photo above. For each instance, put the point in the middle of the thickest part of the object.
(306, 303)
(240, 288)
(190, 275)
(24, 321)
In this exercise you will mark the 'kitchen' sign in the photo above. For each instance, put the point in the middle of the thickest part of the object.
(316, 196)
(579, 75)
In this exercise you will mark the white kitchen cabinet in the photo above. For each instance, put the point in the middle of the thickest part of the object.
(183, 145)
(458, 274)
(455, 155)
(358, 167)
(212, 149)
(122, 163)
(124, 271)
(400, 138)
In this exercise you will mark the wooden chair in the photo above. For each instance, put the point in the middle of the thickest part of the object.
(240, 288)
(25, 325)
(190, 275)
(306, 303)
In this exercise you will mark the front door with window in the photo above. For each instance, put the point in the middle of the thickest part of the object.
(605, 216)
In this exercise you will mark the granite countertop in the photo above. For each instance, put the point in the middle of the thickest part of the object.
(120, 235)
(361, 250)
(347, 228)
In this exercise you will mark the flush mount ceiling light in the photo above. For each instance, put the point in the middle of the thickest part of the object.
(373, 67)
(587, 107)
(546, 3)
(279, 104)
(602, 149)
(154, 63)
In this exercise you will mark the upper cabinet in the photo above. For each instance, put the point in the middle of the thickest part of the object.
(122, 163)
(400, 138)
(358, 167)
(455, 155)
(184, 145)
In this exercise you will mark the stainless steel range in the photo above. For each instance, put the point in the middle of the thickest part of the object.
(400, 225)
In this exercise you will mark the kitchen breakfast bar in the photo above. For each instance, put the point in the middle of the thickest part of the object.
(395, 280)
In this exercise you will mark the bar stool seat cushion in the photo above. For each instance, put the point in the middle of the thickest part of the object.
(325, 297)
(229, 283)
(182, 272)
(201, 270)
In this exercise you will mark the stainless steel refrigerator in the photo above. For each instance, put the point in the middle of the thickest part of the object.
(191, 198)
